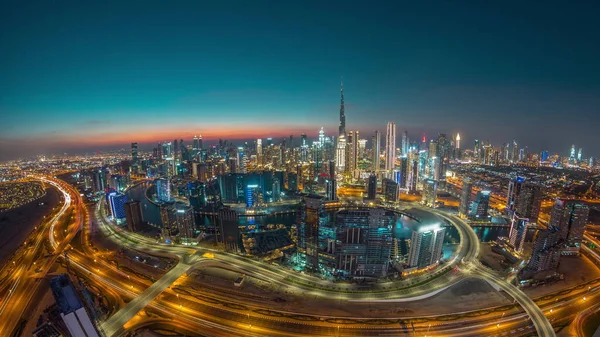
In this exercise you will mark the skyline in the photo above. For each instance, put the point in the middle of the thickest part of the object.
(72, 80)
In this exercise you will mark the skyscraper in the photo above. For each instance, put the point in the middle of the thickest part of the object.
(134, 153)
(570, 217)
(376, 150)
(372, 187)
(340, 154)
(479, 207)
(133, 215)
(195, 143)
(185, 221)
(390, 146)
(465, 197)
(426, 245)
(429, 192)
(546, 250)
(518, 231)
(311, 208)
(71, 309)
(457, 141)
(405, 145)
(229, 230)
(342, 128)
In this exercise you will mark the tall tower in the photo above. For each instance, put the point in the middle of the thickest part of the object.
(342, 113)
(376, 150)
(390, 146)
(405, 143)
(457, 141)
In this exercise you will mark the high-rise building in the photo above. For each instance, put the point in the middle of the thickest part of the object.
(465, 197)
(524, 198)
(134, 153)
(229, 230)
(372, 187)
(351, 152)
(71, 309)
(546, 250)
(403, 173)
(185, 221)
(429, 192)
(340, 154)
(195, 143)
(390, 146)
(405, 145)
(390, 189)
(133, 215)
(570, 217)
(311, 208)
(457, 141)
(342, 127)
(376, 150)
(117, 202)
(363, 241)
(426, 245)
(479, 207)
(518, 231)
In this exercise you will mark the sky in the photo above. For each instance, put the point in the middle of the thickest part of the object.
(88, 76)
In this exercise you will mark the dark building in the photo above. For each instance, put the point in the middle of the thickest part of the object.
(133, 215)
(390, 189)
(372, 187)
(72, 310)
(570, 217)
(229, 230)
(546, 251)
(364, 242)
(524, 198)
(311, 209)
(465, 197)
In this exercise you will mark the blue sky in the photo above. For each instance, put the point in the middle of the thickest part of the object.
(83, 75)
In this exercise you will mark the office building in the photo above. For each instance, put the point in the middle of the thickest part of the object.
(465, 197)
(116, 202)
(529, 201)
(363, 241)
(546, 251)
(134, 154)
(405, 145)
(426, 243)
(372, 187)
(309, 221)
(518, 232)
(479, 207)
(184, 221)
(429, 192)
(376, 151)
(71, 309)
(390, 190)
(402, 175)
(133, 215)
(163, 189)
(570, 217)
(390, 146)
(229, 231)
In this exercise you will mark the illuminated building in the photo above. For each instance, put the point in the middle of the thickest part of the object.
(340, 157)
(71, 309)
(518, 231)
(134, 157)
(133, 215)
(429, 192)
(362, 148)
(376, 150)
(426, 243)
(390, 146)
(465, 197)
(413, 177)
(163, 189)
(524, 198)
(99, 180)
(405, 145)
(117, 205)
(570, 217)
(479, 207)
(184, 220)
(402, 175)
(457, 141)
(364, 242)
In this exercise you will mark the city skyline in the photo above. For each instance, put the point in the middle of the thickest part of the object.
(71, 80)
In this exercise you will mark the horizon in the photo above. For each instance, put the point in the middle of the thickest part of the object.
(73, 79)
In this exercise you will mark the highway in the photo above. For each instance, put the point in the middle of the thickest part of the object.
(32, 266)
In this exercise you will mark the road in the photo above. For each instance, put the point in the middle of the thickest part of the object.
(31, 266)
